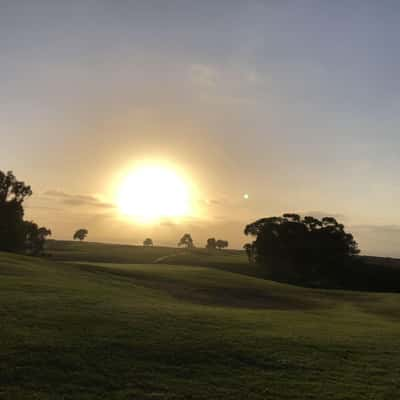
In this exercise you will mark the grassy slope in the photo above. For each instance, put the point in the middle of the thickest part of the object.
(231, 260)
(73, 251)
(134, 331)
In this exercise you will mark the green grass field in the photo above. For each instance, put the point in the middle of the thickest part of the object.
(118, 322)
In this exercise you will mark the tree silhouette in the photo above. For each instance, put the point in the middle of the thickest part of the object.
(15, 233)
(305, 247)
(187, 241)
(35, 238)
(12, 195)
(12, 190)
(211, 244)
(148, 242)
(222, 244)
(249, 251)
(80, 234)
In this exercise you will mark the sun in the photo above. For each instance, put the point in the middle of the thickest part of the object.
(152, 192)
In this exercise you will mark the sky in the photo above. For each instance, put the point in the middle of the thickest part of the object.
(295, 103)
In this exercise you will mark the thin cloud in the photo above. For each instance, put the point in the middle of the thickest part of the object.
(204, 76)
(78, 200)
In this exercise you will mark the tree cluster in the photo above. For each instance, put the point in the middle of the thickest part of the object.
(300, 247)
(219, 244)
(17, 235)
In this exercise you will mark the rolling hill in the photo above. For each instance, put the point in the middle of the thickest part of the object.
(116, 322)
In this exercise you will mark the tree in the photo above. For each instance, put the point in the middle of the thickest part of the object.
(12, 190)
(222, 244)
(248, 248)
(187, 241)
(81, 234)
(148, 242)
(211, 244)
(35, 238)
(302, 247)
(16, 234)
(12, 195)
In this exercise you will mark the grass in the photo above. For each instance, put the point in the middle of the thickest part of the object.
(103, 324)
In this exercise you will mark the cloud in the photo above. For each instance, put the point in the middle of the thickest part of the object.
(204, 76)
(167, 223)
(210, 202)
(232, 85)
(78, 200)
(215, 202)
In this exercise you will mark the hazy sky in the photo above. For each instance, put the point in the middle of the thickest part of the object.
(294, 102)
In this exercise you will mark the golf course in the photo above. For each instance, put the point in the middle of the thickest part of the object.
(95, 321)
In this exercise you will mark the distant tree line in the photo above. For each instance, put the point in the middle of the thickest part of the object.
(187, 241)
(16, 234)
(306, 250)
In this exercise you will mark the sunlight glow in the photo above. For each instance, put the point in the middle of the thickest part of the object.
(152, 192)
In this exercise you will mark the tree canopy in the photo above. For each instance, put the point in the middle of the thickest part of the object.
(35, 238)
(13, 190)
(303, 246)
(222, 244)
(80, 234)
(211, 244)
(148, 242)
(187, 241)
(12, 195)
(16, 234)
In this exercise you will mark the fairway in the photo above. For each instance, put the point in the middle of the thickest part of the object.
(92, 330)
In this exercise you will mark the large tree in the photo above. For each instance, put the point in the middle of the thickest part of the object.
(305, 247)
(12, 196)
(16, 234)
